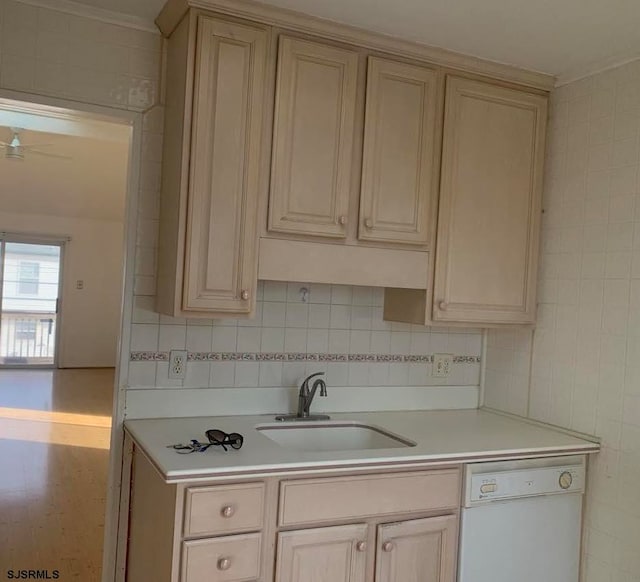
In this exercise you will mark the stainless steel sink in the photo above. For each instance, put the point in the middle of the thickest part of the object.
(332, 436)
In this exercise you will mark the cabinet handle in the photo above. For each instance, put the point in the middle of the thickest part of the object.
(361, 546)
(387, 546)
(227, 511)
(368, 223)
(443, 305)
(342, 220)
(224, 563)
(244, 294)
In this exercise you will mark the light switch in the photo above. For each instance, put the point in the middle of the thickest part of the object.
(79, 284)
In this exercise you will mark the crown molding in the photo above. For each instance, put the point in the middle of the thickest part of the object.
(596, 67)
(95, 13)
(174, 11)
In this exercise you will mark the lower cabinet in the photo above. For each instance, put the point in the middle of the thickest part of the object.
(419, 550)
(382, 526)
(326, 554)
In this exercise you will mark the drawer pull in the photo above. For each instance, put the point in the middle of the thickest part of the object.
(368, 223)
(361, 546)
(443, 305)
(224, 563)
(387, 546)
(342, 220)
(227, 511)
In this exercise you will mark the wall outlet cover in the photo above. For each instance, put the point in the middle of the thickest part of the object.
(442, 364)
(177, 364)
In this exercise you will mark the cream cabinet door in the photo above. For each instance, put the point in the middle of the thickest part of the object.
(220, 257)
(398, 174)
(313, 138)
(421, 550)
(490, 204)
(328, 554)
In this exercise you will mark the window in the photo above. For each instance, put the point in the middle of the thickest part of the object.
(26, 330)
(28, 278)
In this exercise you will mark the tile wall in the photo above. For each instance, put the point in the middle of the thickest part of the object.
(581, 367)
(337, 329)
(63, 55)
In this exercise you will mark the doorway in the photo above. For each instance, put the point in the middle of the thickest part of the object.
(61, 459)
(30, 276)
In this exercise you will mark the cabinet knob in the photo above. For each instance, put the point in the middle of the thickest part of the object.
(368, 223)
(342, 220)
(244, 294)
(443, 305)
(387, 546)
(227, 511)
(224, 563)
(361, 546)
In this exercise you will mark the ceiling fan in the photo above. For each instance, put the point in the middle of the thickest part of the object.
(16, 150)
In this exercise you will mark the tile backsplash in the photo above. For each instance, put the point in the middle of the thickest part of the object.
(300, 329)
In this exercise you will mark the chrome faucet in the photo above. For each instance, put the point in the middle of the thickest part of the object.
(305, 398)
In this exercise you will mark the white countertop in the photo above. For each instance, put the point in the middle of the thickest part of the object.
(444, 436)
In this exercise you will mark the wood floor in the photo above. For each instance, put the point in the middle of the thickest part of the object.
(54, 449)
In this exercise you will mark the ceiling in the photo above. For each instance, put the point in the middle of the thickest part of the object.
(91, 184)
(566, 38)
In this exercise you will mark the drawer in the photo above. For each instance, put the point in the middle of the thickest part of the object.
(225, 559)
(332, 499)
(223, 509)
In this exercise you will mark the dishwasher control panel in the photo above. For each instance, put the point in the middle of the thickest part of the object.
(484, 484)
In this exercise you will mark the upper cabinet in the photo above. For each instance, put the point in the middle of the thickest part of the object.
(399, 163)
(490, 204)
(208, 232)
(294, 158)
(313, 134)
(314, 140)
(485, 262)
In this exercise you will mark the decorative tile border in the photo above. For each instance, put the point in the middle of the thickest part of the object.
(149, 357)
(297, 357)
(465, 359)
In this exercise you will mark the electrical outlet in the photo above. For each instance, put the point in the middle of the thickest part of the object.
(177, 364)
(442, 365)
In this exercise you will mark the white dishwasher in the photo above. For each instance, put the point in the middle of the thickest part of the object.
(521, 521)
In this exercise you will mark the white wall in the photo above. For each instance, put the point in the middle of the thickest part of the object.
(79, 193)
(581, 367)
(91, 316)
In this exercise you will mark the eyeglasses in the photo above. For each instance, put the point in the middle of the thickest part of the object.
(217, 438)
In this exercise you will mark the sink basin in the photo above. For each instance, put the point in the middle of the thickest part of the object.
(332, 436)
